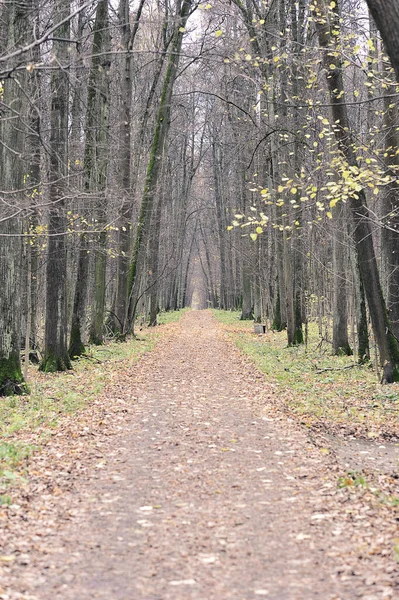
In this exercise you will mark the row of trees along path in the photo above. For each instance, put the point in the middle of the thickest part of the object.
(251, 146)
(190, 484)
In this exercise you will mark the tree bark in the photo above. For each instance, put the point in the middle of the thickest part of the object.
(55, 357)
(390, 210)
(340, 309)
(15, 17)
(124, 224)
(386, 16)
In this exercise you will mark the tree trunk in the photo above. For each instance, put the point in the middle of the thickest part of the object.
(15, 16)
(154, 262)
(76, 346)
(363, 351)
(95, 182)
(386, 16)
(124, 224)
(390, 209)
(221, 229)
(55, 357)
(289, 290)
(340, 310)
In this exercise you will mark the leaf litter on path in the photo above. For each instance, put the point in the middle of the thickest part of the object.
(268, 519)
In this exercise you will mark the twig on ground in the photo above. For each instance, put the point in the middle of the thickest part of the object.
(318, 370)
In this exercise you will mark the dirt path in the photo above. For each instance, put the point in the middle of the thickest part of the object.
(206, 493)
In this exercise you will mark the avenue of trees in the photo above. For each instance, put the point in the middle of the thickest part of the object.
(241, 153)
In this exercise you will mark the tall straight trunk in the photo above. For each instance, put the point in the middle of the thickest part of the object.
(390, 209)
(340, 310)
(246, 256)
(34, 143)
(280, 309)
(95, 182)
(326, 20)
(155, 163)
(76, 346)
(96, 159)
(185, 277)
(55, 357)
(212, 288)
(124, 225)
(257, 294)
(363, 348)
(15, 16)
(297, 10)
(280, 321)
(289, 290)
(154, 262)
(221, 227)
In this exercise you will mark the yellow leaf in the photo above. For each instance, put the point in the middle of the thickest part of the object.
(259, 230)
(329, 215)
(253, 236)
(218, 33)
(182, 29)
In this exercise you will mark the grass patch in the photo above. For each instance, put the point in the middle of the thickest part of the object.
(348, 395)
(171, 316)
(5, 500)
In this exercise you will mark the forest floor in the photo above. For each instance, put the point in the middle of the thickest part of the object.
(187, 479)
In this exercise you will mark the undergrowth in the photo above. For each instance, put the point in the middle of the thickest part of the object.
(320, 388)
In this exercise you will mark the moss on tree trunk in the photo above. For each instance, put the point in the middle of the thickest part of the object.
(52, 363)
(11, 379)
(76, 346)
